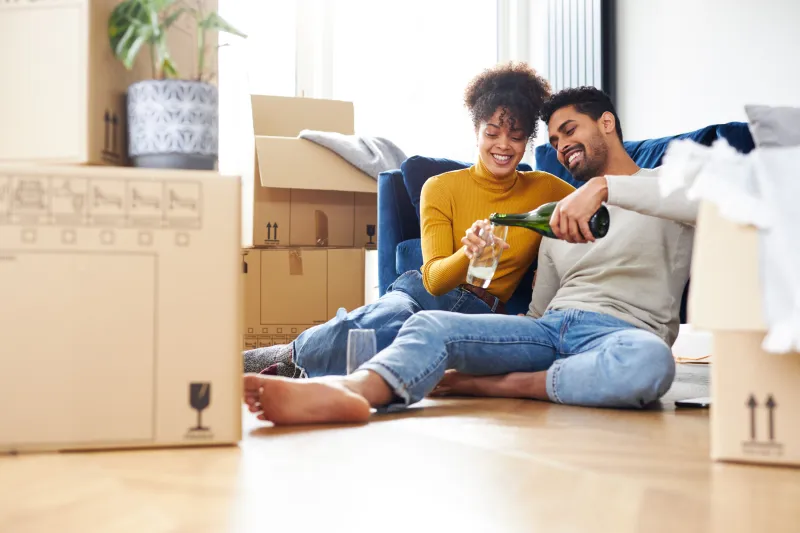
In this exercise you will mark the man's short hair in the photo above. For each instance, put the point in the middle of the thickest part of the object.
(587, 100)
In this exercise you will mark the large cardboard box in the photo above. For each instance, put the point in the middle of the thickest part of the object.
(288, 290)
(755, 394)
(303, 194)
(63, 98)
(120, 311)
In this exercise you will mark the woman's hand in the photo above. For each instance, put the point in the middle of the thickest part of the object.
(474, 241)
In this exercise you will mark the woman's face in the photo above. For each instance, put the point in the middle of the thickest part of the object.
(501, 147)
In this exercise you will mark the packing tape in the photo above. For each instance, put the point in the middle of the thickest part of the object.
(295, 263)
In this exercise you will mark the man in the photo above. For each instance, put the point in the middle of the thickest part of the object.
(603, 314)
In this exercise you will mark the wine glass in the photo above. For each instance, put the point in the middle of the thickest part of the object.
(361, 347)
(482, 266)
(199, 398)
(370, 233)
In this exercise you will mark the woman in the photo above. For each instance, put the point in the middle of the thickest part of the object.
(504, 103)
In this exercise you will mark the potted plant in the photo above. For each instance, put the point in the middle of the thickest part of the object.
(173, 122)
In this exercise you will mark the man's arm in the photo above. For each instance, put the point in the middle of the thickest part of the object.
(642, 194)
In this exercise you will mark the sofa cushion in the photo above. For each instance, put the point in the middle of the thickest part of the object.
(409, 256)
(418, 169)
(649, 153)
(774, 126)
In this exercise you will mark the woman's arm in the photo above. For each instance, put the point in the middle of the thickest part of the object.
(443, 269)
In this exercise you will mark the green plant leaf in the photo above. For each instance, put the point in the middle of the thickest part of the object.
(168, 67)
(127, 32)
(214, 22)
(173, 17)
(165, 63)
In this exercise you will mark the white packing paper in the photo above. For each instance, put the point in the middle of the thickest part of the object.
(762, 189)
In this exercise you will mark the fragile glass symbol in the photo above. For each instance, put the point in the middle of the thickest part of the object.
(65, 191)
(199, 398)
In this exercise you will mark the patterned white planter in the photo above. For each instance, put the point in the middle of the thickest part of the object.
(173, 124)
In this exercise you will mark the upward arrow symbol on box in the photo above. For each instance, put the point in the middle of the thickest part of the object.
(771, 405)
(752, 404)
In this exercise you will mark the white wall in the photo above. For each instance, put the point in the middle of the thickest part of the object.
(685, 64)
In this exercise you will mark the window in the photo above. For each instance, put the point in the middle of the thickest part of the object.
(405, 66)
(264, 63)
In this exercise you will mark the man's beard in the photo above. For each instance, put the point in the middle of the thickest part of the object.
(592, 166)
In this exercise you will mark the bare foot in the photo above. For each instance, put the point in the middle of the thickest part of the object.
(290, 401)
(456, 384)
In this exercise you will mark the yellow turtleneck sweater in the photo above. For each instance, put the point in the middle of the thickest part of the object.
(450, 203)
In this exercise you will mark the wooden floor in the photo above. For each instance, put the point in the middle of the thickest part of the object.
(449, 465)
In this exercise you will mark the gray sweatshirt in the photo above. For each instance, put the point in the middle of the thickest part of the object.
(637, 272)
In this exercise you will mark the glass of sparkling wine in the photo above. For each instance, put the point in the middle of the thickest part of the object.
(482, 266)
(361, 347)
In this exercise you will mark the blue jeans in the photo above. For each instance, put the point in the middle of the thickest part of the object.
(322, 350)
(591, 359)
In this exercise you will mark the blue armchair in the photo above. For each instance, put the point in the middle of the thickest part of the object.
(399, 248)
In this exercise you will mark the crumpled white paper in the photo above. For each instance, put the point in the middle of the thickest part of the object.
(761, 188)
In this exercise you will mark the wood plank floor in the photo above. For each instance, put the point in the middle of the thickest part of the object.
(478, 465)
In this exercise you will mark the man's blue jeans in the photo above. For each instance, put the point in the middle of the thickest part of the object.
(591, 359)
(322, 350)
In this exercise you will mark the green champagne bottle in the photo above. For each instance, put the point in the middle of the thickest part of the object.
(538, 220)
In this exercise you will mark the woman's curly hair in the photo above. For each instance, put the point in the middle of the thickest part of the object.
(514, 87)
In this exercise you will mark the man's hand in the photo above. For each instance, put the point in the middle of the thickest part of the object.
(474, 241)
(456, 384)
(532, 385)
(570, 220)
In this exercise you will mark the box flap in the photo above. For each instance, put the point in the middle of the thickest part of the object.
(725, 292)
(283, 116)
(292, 163)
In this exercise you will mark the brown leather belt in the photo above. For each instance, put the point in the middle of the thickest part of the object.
(493, 302)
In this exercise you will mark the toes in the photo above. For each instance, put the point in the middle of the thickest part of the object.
(253, 383)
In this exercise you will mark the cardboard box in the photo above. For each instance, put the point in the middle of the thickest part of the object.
(63, 90)
(288, 290)
(755, 395)
(303, 194)
(120, 317)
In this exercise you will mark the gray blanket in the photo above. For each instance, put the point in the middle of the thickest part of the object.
(371, 155)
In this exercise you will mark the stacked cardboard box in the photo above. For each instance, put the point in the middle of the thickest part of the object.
(63, 97)
(121, 286)
(310, 217)
(755, 396)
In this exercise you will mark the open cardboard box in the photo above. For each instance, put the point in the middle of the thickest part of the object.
(121, 311)
(288, 290)
(303, 194)
(63, 97)
(755, 394)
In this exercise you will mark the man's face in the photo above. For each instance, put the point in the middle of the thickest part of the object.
(580, 142)
(501, 146)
